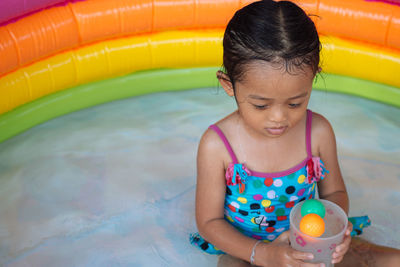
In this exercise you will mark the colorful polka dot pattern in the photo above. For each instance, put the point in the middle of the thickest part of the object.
(262, 210)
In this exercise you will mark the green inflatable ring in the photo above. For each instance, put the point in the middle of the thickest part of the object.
(151, 81)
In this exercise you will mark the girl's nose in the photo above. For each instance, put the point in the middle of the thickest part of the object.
(277, 115)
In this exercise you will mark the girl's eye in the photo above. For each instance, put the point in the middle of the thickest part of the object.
(294, 105)
(261, 107)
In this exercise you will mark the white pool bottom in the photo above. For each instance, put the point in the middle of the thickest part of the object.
(114, 185)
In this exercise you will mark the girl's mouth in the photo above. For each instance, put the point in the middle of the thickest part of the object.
(276, 131)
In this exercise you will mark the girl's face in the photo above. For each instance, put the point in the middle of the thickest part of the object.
(270, 100)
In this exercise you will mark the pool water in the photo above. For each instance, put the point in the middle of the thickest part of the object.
(114, 185)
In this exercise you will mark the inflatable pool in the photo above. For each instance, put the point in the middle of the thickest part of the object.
(100, 188)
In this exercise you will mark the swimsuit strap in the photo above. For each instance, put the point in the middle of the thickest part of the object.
(232, 154)
(226, 142)
(308, 133)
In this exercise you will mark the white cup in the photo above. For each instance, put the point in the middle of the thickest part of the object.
(322, 247)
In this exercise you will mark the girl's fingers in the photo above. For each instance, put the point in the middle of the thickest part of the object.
(337, 260)
(337, 257)
(343, 247)
(341, 250)
(304, 256)
(348, 232)
(306, 264)
(349, 228)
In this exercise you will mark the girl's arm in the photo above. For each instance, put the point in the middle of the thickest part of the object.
(332, 187)
(210, 198)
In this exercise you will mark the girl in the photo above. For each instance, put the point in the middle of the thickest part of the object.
(254, 165)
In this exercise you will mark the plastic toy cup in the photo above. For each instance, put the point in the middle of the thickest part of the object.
(322, 247)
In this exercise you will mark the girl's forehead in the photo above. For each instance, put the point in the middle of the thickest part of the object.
(271, 79)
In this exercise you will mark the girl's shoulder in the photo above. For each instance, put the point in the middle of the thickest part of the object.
(320, 124)
(226, 125)
(211, 142)
(321, 133)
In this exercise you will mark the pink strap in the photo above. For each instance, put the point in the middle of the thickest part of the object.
(308, 133)
(232, 154)
(226, 142)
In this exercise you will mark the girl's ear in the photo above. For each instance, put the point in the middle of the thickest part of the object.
(225, 83)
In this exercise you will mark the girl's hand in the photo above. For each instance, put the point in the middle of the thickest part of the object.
(279, 253)
(341, 250)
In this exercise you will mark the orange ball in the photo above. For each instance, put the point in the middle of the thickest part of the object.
(312, 224)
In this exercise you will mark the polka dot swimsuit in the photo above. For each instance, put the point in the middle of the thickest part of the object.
(259, 204)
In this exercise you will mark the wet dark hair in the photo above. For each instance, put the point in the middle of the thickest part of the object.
(275, 32)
